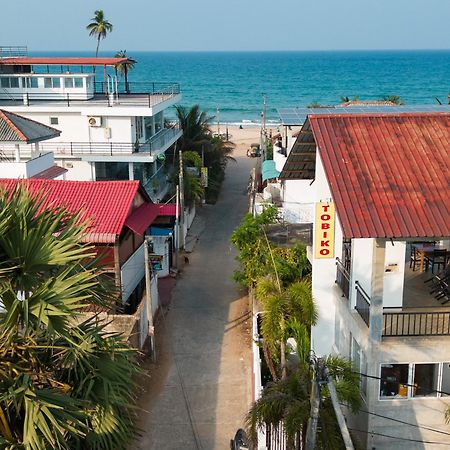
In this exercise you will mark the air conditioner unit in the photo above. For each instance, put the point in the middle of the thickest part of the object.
(95, 121)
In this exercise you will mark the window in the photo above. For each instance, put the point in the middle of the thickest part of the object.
(68, 82)
(356, 358)
(88, 83)
(33, 82)
(364, 367)
(78, 82)
(445, 387)
(4, 82)
(14, 82)
(139, 131)
(52, 82)
(425, 382)
(394, 380)
(54, 121)
(9, 82)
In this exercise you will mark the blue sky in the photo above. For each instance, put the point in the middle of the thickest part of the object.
(230, 25)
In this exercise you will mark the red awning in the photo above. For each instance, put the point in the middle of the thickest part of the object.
(49, 61)
(140, 219)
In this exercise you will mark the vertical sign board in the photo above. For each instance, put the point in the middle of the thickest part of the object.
(324, 238)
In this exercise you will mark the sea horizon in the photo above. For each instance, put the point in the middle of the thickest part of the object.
(233, 81)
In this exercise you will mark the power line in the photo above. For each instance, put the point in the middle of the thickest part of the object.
(403, 422)
(399, 438)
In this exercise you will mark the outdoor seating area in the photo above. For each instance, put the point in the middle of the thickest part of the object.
(428, 254)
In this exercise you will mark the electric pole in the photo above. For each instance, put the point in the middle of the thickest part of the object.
(177, 226)
(181, 191)
(148, 293)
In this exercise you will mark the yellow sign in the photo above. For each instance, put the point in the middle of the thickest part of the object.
(324, 236)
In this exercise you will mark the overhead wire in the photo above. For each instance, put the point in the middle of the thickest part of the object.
(399, 438)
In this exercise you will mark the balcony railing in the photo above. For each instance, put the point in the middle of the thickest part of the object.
(156, 144)
(415, 323)
(362, 303)
(13, 51)
(342, 278)
(137, 94)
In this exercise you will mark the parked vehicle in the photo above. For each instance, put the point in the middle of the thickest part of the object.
(254, 151)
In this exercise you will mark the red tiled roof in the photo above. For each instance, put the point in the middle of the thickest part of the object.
(144, 216)
(388, 173)
(30, 61)
(105, 204)
(51, 173)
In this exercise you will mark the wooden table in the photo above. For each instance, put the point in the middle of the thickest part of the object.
(424, 251)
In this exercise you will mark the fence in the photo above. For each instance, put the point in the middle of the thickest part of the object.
(362, 303)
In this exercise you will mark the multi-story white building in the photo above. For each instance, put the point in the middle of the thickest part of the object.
(377, 186)
(109, 130)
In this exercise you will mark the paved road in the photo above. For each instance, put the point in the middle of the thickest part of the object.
(199, 391)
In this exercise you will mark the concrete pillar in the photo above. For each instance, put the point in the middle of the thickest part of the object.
(153, 125)
(375, 328)
(130, 171)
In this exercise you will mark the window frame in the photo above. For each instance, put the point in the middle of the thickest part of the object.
(411, 374)
(54, 120)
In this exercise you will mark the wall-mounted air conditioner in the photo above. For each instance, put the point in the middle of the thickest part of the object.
(95, 121)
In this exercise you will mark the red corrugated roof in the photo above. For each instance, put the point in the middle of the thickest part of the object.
(49, 61)
(144, 216)
(105, 204)
(388, 173)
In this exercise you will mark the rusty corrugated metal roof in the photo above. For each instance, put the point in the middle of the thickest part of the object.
(15, 128)
(388, 173)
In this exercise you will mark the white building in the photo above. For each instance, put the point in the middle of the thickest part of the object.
(109, 130)
(373, 186)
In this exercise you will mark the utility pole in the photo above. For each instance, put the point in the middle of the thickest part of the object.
(311, 430)
(177, 227)
(264, 112)
(181, 195)
(218, 121)
(339, 416)
(148, 293)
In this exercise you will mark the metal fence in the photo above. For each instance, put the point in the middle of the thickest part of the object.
(362, 303)
(343, 278)
(417, 323)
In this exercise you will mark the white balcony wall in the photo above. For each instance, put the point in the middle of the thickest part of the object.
(26, 169)
(361, 266)
(132, 272)
(394, 274)
(297, 198)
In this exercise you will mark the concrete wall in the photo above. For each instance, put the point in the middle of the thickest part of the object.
(298, 201)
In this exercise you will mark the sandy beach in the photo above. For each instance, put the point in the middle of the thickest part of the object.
(244, 137)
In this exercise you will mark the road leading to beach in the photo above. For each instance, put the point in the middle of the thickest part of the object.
(200, 389)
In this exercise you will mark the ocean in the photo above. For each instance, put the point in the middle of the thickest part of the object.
(233, 82)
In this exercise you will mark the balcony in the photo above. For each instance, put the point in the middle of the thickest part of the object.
(78, 89)
(157, 144)
(343, 278)
(420, 314)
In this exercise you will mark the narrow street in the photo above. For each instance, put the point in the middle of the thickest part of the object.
(198, 392)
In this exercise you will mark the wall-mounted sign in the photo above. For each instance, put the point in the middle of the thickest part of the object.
(324, 236)
(156, 262)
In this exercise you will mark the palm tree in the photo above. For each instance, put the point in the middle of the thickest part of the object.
(396, 99)
(285, 405)
(124, 67)
(287, 311)
(65, 382)
(99, 27)
(195, 126)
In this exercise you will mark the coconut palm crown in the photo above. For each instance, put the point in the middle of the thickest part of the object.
(124, 67)
(99, 27)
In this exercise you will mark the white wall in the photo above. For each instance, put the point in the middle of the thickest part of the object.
(394, 275)
(77, 170)
(298, 200)
(132, 272)
(26, 169)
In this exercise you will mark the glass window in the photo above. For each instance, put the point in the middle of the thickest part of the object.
(425, 380)
(88, 83)
(78, 82)
(68, 82)
(445, 379)
(363, 370)
(394, 380)
(4, 83)
(56, 82)
(356, 359)
(34, 82)
(54, 121)
(47, 82)
(14, 82)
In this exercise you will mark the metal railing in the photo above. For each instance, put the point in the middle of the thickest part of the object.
(139, 94)
(362, 303)
(343, 278)
(415, 323)
(13, 51)
(157, 143)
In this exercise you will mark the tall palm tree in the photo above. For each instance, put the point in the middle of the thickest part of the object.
(195, 125)
(99, 27)
(124, 67)
(64, 382)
